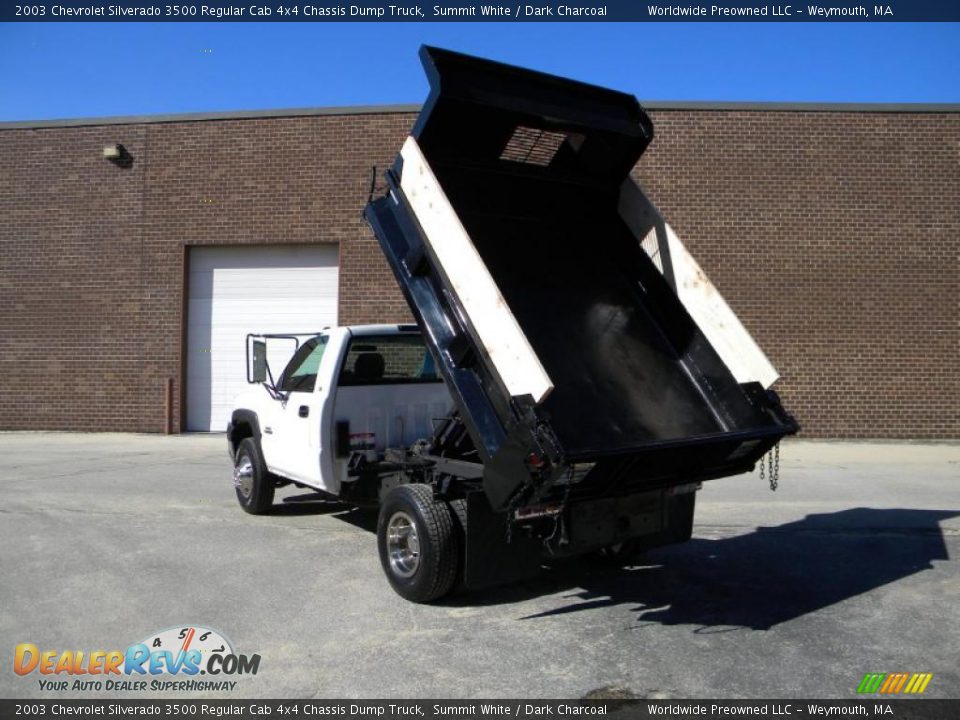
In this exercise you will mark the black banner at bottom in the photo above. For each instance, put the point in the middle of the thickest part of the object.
(873, 707)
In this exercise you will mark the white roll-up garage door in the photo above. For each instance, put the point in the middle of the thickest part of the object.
(237, 290)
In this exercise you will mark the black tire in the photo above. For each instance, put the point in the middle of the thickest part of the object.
(411, 516)
(252, 482)
(459, 508)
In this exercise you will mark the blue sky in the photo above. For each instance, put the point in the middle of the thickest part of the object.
(53, 70)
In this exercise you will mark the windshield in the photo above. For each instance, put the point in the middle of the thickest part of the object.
(300, 374)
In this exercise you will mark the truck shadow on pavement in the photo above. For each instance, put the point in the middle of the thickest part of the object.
(754, 581)
(312, 503)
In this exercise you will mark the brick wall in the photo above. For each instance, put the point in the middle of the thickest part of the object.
(835, 236)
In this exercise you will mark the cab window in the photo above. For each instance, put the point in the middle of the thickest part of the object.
(387, 360)
(301, 372)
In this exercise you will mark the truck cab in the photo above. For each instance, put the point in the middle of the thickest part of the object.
(345, 391)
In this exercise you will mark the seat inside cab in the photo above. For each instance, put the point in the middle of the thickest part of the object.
(389, 391)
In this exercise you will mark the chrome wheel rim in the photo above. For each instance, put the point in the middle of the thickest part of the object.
(403, 545)
(243, 476)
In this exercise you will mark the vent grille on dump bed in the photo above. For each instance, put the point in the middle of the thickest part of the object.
(532, 146)
(651, 245)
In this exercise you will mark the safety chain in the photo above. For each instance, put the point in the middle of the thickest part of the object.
(771, 462)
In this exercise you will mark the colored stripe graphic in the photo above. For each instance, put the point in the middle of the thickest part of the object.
(871, 682)
(888, 683)
(900, 683)
(894, 683)
(923, 679)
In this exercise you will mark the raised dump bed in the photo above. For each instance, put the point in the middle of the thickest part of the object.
(585, 350)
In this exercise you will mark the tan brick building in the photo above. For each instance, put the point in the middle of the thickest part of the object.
(832, 230)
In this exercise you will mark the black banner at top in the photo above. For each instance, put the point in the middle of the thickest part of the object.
(478, 11)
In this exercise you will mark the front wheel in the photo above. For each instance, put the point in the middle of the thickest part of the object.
(418, 543)
(251, 480)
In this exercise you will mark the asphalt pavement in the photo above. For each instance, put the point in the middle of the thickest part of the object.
(849, 567)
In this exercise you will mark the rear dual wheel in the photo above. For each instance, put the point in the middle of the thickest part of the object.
(419, 543)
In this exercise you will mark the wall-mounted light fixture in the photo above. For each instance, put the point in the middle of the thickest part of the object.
(118, 155)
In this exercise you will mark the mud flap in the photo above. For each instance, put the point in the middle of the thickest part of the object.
(489, 559)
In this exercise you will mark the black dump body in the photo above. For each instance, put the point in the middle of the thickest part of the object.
(533, 166)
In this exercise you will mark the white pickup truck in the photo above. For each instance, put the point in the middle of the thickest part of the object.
(344, 417)
(572, 376)
(378, 379)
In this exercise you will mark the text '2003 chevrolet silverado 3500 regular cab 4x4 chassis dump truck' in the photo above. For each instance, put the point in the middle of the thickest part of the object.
(572, 377)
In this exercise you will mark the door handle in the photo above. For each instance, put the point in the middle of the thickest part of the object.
(304, 411)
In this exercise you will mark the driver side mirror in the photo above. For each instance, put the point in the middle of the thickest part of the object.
(257, 361)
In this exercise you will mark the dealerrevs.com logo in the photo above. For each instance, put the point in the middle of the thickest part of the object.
(169, 660)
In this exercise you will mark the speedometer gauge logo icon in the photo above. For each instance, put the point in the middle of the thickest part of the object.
(180, 640)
